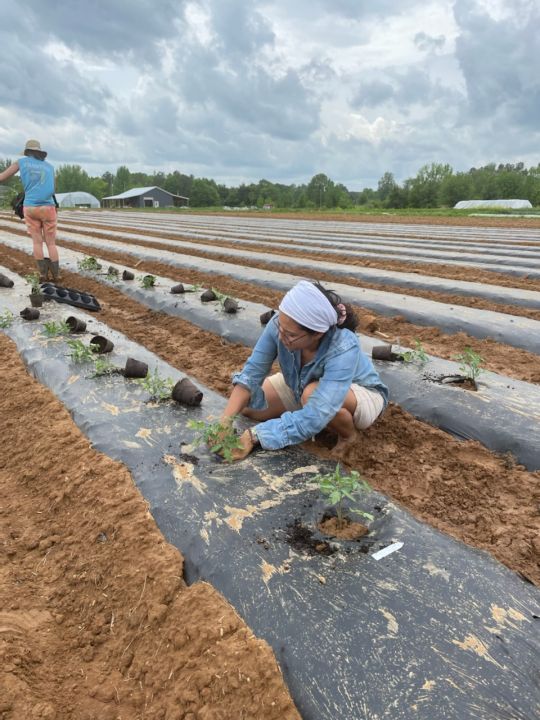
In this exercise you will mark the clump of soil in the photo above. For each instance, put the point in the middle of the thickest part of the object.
(95, 618)
(301, 539)
(348, 530)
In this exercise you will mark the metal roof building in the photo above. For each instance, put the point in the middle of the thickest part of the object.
(145, 197)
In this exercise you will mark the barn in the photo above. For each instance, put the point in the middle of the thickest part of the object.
(149, 197)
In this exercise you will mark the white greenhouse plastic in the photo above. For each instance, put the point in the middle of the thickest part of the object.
(513, 204)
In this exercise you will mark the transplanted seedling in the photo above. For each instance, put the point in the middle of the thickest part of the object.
(220, 437)
(147, 281)
(337, 487)
(6, 319)
(470, 363)
(89, 263)
(79, 352)
(53, 329)
(33, 281)
(418, 354)
(113, 275)
(102, 366)
(194, 288)
(158, 388)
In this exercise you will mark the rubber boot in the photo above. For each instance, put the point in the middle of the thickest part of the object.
(42, 267)
(55, 270)
(49, 269)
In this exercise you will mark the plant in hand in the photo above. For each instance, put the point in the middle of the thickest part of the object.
(33, 281)
(220, 437)
(158, 388)
(79, 352)
(418, 354)
(147, 281)
(53, 329)
(470, 363)
(89, 263)
(6, 319)
(337, 486)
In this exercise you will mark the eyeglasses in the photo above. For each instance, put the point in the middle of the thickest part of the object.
(289, 337)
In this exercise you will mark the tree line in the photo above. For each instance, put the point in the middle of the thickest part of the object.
(435, 185)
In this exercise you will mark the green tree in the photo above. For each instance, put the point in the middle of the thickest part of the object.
(72, 178)
(122, 180)
(204, 193)
(424, 188)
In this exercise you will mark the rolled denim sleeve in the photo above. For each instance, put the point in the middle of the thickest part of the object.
(258, 366)
(323, 405)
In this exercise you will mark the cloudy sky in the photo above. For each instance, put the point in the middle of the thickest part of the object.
(239, 90)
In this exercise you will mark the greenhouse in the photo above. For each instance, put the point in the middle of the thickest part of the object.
(474, 204)
(77, 199)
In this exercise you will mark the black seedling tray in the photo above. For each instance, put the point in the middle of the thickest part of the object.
(70, 296)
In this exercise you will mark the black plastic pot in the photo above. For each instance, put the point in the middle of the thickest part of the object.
(111, 270)
(5, 281)
(267, 316)
(208, 296)
(75, 324)
(29, 314)
(177, 289)
(102, 344)
(127, 275)
(230, 305)
(384, 352)
(135, 369)
(36, 299)
(186, 393)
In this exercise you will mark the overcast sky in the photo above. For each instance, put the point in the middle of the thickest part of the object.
(239, 90)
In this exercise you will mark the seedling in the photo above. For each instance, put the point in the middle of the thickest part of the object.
(470, 363)
(193, 288)
(102, 366)
(158, 388)
(112, 276)
(147, 281)
(33, 281)
(337, 486)
(89, 263)
(418, 354)
(79, 352)
(53, 329)
(6, 319)
(220, 437)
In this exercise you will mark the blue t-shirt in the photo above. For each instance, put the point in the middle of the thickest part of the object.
(37, 177)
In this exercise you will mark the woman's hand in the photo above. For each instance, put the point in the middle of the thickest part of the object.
(246, 446)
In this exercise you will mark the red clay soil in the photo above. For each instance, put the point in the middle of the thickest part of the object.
(96, 622)
(458, 487)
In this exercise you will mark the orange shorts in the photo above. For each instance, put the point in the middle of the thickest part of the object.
(41, 221)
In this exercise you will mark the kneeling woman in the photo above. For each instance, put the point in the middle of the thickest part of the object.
(325, 380)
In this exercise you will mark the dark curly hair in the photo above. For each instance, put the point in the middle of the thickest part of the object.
(351, 321)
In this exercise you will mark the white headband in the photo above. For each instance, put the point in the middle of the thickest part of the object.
(307, 306)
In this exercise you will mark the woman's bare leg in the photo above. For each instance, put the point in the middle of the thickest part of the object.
(342, 423)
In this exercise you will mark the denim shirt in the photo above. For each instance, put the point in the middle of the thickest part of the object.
(338, 363)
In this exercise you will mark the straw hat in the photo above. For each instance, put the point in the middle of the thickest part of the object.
(35, 147)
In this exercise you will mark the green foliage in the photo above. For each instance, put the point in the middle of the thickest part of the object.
(33, 281)
(6, 319)
(89, 263)
(102, 366)
(70, 178)
(79, 352)
(194, 288)
(470, 363)
(418, 354)
(147, 281)
(337, 487)
(157, 387)
(113, 276)
(53, 329)
(221, 296)
(220, 437)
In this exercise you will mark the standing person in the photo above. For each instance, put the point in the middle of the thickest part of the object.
(326, 380)
(37, 177)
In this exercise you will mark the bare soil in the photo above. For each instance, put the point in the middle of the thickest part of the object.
(458, 487)
(96, 622)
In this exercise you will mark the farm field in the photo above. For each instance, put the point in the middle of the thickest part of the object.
(457, 470)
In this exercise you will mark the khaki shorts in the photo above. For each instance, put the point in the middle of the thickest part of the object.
(369, 403)
(41, 221)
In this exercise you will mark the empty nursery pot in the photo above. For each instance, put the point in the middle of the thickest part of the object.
(111, 270)
(75, 324)
(208, 296)
(230, 305)
(267, 316)
(29, 314)
(187, 393)
(127, 275)
(5, 281)
(36, 299)
(384, 352)
(135, 369)
(177, 289)
(102, 344)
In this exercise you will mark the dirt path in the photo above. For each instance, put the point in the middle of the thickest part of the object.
(95, 619)
(460, 488)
